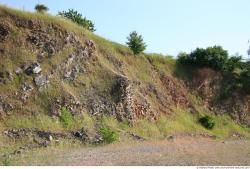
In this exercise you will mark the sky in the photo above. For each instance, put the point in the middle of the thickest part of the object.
(167, 26)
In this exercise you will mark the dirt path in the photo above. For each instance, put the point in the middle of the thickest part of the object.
(184, 151)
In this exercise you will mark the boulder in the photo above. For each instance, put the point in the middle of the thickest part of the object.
(18, 71)
(41, 80)
(82, 134)
(31, 68)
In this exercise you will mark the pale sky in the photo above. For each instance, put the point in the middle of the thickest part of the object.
(167, 26)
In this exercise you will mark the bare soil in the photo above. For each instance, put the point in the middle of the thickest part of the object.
(179, 151)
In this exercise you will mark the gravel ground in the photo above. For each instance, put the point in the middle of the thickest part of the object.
(180, 151)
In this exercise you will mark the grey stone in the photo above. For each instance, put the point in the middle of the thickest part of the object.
(27, 87)
(32, 68)
(41, 80)
(18, 71)
(36, 68)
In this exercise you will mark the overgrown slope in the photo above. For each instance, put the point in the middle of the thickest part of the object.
(49, 64)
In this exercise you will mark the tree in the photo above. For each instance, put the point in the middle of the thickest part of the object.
(78, 19)
(215, 57)
(41, 8)
(135, 43)
(233, 63)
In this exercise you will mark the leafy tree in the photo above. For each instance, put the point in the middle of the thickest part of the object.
(233, 63)
(77, 18)
(215, 57)
(41, 8)
(135, 43)
(183, 58)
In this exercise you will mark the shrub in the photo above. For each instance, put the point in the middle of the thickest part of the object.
(41, 8)
(78, 19)
(245, 77)
(214, 57)
(66, 117)
(108, 135)
(135, 43)
(6, 162)
(207, 122)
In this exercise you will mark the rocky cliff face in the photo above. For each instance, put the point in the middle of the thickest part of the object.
(211, 86)
(47, 64)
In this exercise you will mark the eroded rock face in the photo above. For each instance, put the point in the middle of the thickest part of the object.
(237, 106)
(4, 31)
(123, 98)
(49, 39)
(207, 83)
(68, 101)
(176, 91)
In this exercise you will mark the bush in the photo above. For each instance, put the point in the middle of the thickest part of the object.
(66, 118)
(78, 19)
(245, 77)
(207, 122)
(135, 43)
(215, 57)
(233, 63)
(108, 135)
(41, 8)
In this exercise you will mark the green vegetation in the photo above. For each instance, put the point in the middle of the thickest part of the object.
(207, 121)
(218, 59)
(245, 77)
(108, 135)
(41, 8)
(6, 162)
(215, 57)
(135, 43)
(112, 59)
(66, 117)
(76, 17)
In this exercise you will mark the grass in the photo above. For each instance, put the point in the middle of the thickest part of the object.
(6, 162)
(108, 135)
(99, 76)
(66, 118)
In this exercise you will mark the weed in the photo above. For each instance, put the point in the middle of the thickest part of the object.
(108, 135)
(66, 118)
(207, 122)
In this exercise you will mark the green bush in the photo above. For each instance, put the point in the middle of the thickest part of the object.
(215, 57)
(77, 18)
(41, 8)
(233, 63)
(207, 122)
(66, 118)
(135, 43)
(108, 135)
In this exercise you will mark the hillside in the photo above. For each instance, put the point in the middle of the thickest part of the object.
(48, 64)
